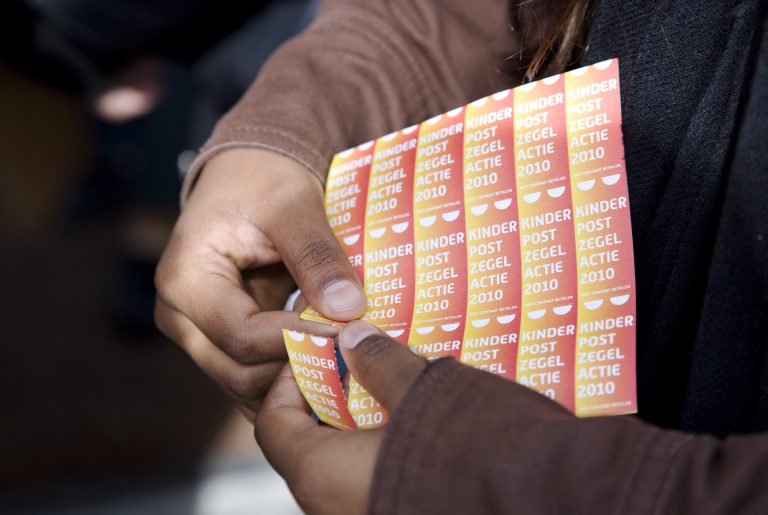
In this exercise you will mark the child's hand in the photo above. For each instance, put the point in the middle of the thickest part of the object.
(254, 219)
(330, 471)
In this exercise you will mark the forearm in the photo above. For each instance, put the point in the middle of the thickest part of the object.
(466, 442)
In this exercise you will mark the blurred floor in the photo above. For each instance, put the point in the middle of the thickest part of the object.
(92, 419)
(241, 487)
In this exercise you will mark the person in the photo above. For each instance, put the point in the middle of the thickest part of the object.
(694, 83)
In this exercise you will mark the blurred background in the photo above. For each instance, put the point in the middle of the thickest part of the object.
(102, 105)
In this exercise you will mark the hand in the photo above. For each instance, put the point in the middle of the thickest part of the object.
(254, 223)
(330, 471)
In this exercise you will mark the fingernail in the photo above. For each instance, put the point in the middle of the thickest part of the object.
(343, 296)
(355, 332)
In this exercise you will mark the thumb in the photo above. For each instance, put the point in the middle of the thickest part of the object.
(320, 267)
(379, 363)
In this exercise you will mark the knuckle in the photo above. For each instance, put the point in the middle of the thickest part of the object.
(261, 426)
(162, 276)
(318, 260)
(247, 383)
(242, 345)
(166, 276)
(371, 351)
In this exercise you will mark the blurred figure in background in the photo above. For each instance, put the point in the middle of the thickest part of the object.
(99, 106)
(156, 76)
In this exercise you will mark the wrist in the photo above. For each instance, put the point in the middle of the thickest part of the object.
(239, 177)
(250, 170)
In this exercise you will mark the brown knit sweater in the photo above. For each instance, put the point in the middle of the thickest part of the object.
(464, 441)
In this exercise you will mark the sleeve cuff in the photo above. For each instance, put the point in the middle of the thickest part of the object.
(255, 136)
(437, 454)
(465, 441)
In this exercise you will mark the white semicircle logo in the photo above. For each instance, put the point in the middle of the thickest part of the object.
(501, 95)
(532, 197)
(434, 119)
(585, 185)
(366, 145)
(448, 328)
(352, 239)
(619, 300)
(390, 136)
(480, 323)
(578, 72)
(450, 216)
(602, 65)
(479, 209)
(396, 333)
(296, 336)
(527, 87)
(535, 315)
(504, 320)
(479, 102)
(610, 180)
(503, 204)
(410, 129)
(400, 228)
(377, 233)
(347, 153)
(427, 221)
(562, 310)
(454, 112)
(556, 192)
(425, 330)
(593, 304)
(319, 341)
(550, 80)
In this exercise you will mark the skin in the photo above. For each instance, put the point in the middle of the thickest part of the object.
(252, 230)
(304, 453)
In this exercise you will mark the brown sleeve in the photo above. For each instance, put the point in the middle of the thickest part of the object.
(366, 68)
(464, 441)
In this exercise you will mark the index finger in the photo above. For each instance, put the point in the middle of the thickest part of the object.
(207, 287)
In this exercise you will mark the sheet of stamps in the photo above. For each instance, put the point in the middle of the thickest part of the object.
(497, 234)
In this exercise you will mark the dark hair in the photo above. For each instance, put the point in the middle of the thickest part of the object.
(565, 42)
